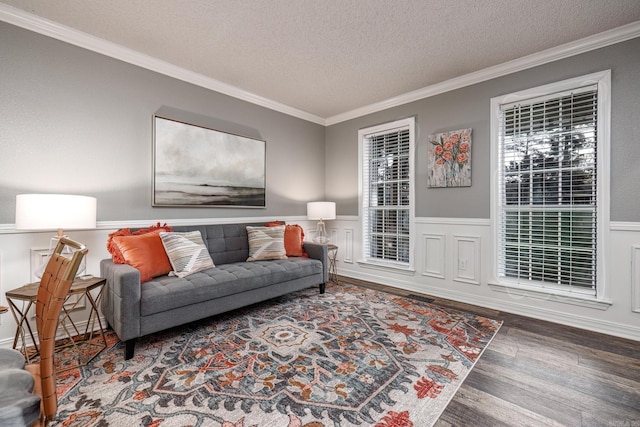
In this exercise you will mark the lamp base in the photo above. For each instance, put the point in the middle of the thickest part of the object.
(321, 236)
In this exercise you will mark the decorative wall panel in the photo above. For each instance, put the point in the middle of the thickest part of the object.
(635, 279)
(348, 245)
(433, 246)
(467, 259)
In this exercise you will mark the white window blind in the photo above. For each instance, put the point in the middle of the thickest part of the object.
(387, 194)
(547, 185)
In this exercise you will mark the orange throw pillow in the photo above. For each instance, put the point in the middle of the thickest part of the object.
(293, 239)
(144, 252)
(116, 255)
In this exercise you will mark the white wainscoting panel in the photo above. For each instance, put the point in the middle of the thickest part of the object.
(468, 244)
(433, 247)
(464, 238)
(1, 287)
(39, 257)
(466, 259)
(334, 236)
(348, 245)
(635, 279)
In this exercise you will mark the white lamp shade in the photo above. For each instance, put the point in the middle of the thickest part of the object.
(321, 210)
(55, 212)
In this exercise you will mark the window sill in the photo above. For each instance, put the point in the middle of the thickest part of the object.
(552, 295)
(408, 270)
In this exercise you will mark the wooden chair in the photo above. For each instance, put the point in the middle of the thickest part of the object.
(54, 288)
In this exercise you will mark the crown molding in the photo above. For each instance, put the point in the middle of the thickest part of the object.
(607, 38)
(78, 38)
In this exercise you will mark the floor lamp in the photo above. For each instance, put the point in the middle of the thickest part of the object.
(42, 212)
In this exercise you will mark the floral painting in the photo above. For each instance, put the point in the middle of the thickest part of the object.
(450, 159)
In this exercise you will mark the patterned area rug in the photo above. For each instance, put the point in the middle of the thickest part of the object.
(350, 357)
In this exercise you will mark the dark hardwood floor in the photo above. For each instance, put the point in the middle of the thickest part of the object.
(537, 373)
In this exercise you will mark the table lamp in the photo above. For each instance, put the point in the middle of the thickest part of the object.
(40, 212)
(321, 211)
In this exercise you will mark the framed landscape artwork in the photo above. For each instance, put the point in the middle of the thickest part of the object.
(201, 167)
(449, 159)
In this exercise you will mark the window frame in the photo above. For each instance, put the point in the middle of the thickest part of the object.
(363, 180)
(559, 293)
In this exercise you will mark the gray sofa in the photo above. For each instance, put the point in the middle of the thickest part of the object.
(134, 310)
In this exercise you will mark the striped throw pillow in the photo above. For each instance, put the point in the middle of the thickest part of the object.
(187, 252)
(266, 243)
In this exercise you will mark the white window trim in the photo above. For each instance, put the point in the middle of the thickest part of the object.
(603, 81)
(409, 122)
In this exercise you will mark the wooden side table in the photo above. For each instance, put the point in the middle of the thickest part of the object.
(333, 271)
(81, 288)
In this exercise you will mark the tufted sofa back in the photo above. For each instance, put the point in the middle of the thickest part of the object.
(227, 243)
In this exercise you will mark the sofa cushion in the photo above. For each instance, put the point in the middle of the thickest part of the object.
(167, 292)
(187, 252)
(145, 253)
(266, 243)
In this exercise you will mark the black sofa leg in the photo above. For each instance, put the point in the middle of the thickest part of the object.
(322, 287)
(129, 346)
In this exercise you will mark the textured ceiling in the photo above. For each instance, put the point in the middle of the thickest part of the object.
(328, 57)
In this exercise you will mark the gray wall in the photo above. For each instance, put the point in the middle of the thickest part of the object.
(470, 107)
(73, 121)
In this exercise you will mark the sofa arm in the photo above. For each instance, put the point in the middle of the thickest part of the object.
(120, 302)
(317, 251)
